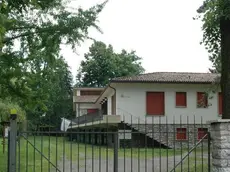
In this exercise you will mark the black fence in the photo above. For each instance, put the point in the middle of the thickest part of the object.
(123, 147)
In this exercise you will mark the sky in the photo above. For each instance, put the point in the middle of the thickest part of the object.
(162, 32)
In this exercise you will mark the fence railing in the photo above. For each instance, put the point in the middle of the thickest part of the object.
(87, 118)
(122, 147)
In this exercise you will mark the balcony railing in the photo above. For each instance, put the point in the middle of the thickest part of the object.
(90, 117)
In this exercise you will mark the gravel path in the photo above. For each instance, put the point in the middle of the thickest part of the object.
(96, 165)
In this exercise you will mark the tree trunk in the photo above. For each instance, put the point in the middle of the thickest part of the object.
(225, 62)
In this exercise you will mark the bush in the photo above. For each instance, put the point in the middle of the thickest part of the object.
(6, 106)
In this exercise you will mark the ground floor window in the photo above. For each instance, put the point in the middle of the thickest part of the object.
(181, 134)
(201, 133)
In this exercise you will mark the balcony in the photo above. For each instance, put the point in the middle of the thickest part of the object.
(93, 119)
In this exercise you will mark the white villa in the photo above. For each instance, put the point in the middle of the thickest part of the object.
(174, 99)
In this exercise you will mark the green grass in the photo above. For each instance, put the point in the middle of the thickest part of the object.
(56, 148)
(193, 165)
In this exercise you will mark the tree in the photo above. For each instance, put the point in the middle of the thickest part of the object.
(102, 64)
(31, 33)
(5, 107)
(37, 26)
(216, 38)
(56, 84)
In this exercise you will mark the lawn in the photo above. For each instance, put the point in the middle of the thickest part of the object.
(195, 162)
(55, 149)
(193, 165)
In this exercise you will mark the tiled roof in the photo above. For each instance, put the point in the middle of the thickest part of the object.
(89, 88)
(171, 77)
(86, 99)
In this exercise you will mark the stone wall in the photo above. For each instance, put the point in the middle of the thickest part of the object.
(220, 135)
(166, 134)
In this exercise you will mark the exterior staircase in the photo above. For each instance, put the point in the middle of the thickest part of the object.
(160, 134)
(150, 132)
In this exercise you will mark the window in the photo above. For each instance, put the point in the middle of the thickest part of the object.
(220, 101)
(181, 134)
(202, 132)
(91, 111)
(89, 93)
(202, 100)
(155, 103)
(181, 99)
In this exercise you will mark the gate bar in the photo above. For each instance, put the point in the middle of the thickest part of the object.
(13, 141)
(40, 153)
(115, 152)
(190, 151)
(209, 153)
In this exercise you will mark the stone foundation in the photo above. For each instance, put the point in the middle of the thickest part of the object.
(166, 134)
(220, 135)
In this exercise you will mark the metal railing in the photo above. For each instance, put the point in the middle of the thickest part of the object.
(125, 147)
(87, 118)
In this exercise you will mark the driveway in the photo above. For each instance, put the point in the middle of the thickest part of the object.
(162, 164)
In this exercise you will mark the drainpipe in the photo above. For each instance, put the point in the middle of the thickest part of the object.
(112, 88)
(114, 94)
(116, 142)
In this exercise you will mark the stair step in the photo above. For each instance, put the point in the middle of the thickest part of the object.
(149, 133)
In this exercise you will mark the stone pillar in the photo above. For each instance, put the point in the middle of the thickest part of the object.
(220, 137)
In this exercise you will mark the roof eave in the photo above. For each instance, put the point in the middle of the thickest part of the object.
(160, 82)
(105, 89)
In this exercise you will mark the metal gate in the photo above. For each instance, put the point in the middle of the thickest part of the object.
(125, 147)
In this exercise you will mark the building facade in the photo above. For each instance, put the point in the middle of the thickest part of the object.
(171, 105)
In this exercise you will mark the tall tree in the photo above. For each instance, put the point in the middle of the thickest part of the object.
(102, 64)
(216, 38)
(31, 33)
(52, 95)
(28, 27)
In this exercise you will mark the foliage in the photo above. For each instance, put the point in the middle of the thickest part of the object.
(216, 37)
(32, 72)
(102, 64)
(6, 106)
(211, 13)
(55, 87)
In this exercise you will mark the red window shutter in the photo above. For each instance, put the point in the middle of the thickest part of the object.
(202, 132)
(181, 134)
(91, 110)
(181, 100)
(220, 101)
(202, 100)
(155, 103)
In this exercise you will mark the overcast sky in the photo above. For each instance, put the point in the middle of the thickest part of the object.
(162, 32)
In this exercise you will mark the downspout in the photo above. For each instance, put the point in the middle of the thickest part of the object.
(115, 137)
(115, 96)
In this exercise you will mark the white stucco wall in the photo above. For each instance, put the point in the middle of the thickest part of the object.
(109, 105)
(131, 99)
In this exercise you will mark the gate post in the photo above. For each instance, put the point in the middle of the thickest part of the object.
(220, 136)
(12, 142)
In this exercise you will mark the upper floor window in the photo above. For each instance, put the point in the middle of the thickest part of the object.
(89, 93)
(220, 101)
(181, 99)
(155, 103)
(202, 100)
